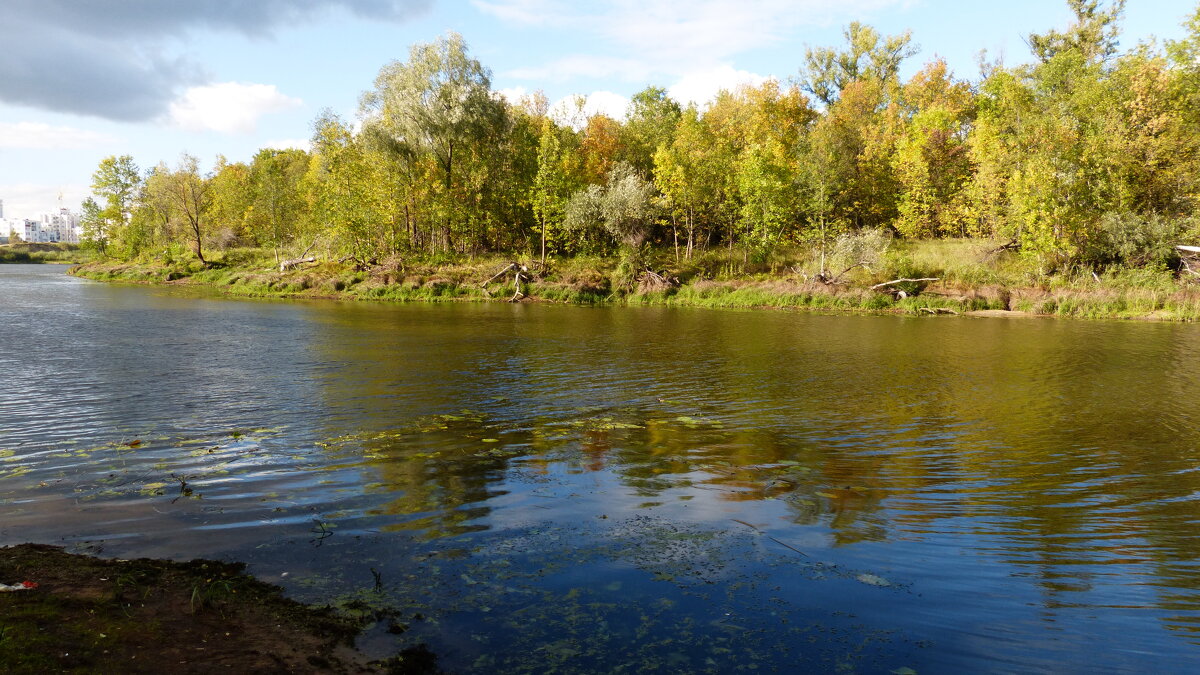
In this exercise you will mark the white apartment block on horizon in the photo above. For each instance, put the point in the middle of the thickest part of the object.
(60, 227)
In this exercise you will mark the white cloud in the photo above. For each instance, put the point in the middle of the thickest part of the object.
(566, 110)
(570, 67)
(671, 37)
(40, 136)
(228, 107)
(529, 12)
(678, 31)
(513, 94)
(125, 60)
(701, 87)
(29, 200)
(289, 144)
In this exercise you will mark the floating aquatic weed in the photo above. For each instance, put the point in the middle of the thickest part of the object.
(499, 453)
(603, 424)
(268, 431)
(15, 472)
(153, 489)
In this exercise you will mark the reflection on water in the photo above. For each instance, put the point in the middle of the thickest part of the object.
(629, 489)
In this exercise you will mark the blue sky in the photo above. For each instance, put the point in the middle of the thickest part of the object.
(81, 81)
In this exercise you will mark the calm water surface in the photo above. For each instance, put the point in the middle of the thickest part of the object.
(569, 489)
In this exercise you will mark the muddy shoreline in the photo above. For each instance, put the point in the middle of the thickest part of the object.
(88, 614)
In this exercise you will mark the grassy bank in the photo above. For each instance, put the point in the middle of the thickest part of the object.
(44, 253)
(970, 276)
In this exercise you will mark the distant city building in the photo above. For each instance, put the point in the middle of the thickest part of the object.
(62, 226)
(24, 229)
(49, 228)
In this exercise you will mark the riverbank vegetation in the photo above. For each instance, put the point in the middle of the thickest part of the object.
(44, 253)
(1063, 185)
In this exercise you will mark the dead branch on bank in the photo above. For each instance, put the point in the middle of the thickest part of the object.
(650, 281)
(285, 265)
(899, 293)
(1188, 256)
(837, 278)
(900, 281)
(520, 274)
(1010, 246)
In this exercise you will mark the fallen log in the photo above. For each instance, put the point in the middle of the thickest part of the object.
(507, 267)
(937, 310)
(285, 265)
(1191, 254)
(900, 281)
(837, 279)
(1010, 246)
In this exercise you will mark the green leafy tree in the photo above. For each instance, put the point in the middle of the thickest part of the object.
(438, 104)
(349, 195)
(867, 55)
(931, 161)
(190, 196)
(553, 184)
(650, 124)
(276, 213)
(1093, 34)
(153, 221)
(233, 200)
(1047, 142)
(766, 182)
(690, 173)
(115, 182)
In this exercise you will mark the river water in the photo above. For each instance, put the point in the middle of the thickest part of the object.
(622, 489)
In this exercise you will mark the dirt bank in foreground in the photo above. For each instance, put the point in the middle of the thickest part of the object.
(150, 616)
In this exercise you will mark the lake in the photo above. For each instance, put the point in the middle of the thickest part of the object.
(546, 488)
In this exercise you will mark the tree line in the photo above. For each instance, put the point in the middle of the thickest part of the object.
(1087, 155)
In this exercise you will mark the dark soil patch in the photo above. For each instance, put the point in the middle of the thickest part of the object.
(90, 615)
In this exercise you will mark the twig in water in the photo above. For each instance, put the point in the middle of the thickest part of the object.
(755, 528)
(184, 490)
(322, 531)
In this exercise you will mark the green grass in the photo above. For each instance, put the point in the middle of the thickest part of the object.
(973, 275)
(44, 253)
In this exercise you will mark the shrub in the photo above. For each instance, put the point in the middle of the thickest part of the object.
(1135, 240)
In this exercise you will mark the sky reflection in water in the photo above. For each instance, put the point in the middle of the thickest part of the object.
(629, 489)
